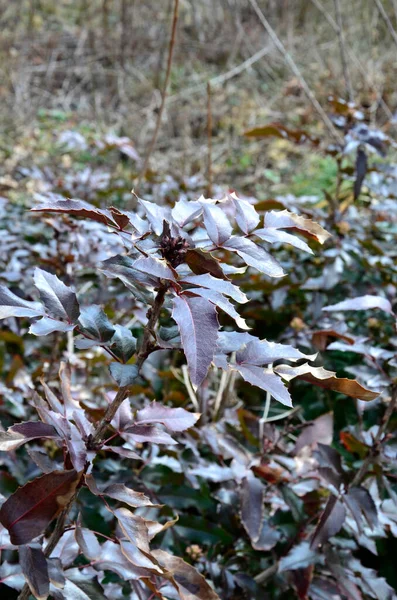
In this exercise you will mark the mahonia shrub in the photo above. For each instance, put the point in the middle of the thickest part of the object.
(181, 265)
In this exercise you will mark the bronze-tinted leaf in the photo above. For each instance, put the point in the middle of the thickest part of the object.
(327, 380)
(285, 219)
(29, 510)
(34, 567)
(189, 583)
(202, 262)
(79, 208)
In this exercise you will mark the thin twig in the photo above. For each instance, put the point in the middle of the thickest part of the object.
(353, 58)
(222, 386)
(164, 92)
(295, 69)
(341, 39)
(145, 350)
(386, 19)
(361, 473)
(190, 390)
(209, 139)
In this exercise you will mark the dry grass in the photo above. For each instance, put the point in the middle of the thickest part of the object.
(104, 61)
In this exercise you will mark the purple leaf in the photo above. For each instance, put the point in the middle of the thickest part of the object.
(34, 567)
(55, 572)
(299, 557)
(216, 223)
(252, 506)
(59, 299)
(320, 430)
(87, 542)
(138, 558)
(330, 522)
(255, 256)
(122, 267)
(198, 324)
(262, 352)
(155, 214)
(221, 302)
(124, 375)
(268, 538)
(80, 208)
(287, 220)
(246, 216)
(272, 235)
(14, 306)
(120, 492)
(47, 325)
(95, 323)
(361, 170)
(25, 432)
(29, 510)
(266, 380)
(218, 285)
(148, 433)
(155, 267)
(362, 303)
(185, 211)
(189, 583)
(134, 528)
(175, 419)
(360, 502)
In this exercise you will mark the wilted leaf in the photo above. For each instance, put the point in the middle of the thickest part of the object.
(34, 567)
(14, 306)
(362, 303)
(330, 522)
(189, 583)
(266, 380)
(287, 220)
(28, 511)
(175, 419)
(59, 299)
(124, 375)
(327, 380)
(198, 323)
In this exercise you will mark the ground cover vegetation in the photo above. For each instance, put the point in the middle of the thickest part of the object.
(198, 301)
